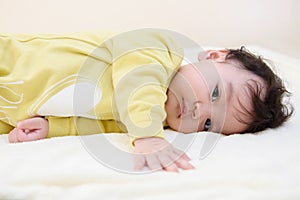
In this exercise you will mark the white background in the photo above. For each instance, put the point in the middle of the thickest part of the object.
(274, 24)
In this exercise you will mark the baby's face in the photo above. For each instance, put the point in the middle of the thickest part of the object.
(210, 96)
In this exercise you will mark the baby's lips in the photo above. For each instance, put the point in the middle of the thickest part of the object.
(182, 108)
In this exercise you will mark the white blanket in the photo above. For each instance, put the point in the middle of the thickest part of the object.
(264, 166)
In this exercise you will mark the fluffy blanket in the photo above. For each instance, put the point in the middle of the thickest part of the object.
(263, 166)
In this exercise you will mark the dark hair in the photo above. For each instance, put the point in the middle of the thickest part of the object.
(271, 111)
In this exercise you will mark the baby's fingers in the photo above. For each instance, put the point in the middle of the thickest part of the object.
(12, 136)
(181, 154)
(183, 164)
(27, 136)
(168, 163)
(153, 162)
(181, 160)
(139, 162)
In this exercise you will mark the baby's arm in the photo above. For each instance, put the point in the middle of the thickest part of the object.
(40, 128)
(29, 130)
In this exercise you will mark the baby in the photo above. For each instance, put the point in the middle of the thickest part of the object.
(136, 83)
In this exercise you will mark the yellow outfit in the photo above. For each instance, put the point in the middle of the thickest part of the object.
(88, 83)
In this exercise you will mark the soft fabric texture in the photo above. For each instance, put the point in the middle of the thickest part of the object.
(262, 166)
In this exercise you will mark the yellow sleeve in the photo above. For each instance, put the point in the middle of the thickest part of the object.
(5, 128)
(67, 126)
(144, 63)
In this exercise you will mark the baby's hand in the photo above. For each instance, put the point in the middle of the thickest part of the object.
(29, 130)
(158, 154)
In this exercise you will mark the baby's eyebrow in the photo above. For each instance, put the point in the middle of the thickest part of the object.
(230, 92)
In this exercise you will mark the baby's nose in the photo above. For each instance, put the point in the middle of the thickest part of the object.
(200, 110)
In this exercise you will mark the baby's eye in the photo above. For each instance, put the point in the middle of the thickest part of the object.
(215, 94)
(207, 124)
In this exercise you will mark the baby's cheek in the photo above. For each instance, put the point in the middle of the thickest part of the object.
(173, 123)
(188, 125)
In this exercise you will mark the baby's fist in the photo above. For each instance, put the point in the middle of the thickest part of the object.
(29, 130)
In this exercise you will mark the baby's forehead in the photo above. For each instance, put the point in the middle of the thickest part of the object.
(245, 85)
(239, 74)
(242, 106)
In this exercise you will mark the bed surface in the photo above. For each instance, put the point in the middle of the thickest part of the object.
(264, 166)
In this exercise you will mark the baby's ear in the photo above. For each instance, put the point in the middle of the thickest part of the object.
(216, 55)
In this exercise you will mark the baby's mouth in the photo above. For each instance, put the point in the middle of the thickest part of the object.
(181, 109)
